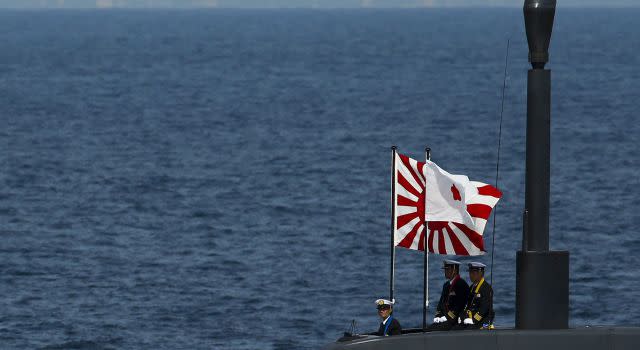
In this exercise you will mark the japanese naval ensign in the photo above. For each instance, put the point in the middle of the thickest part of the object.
(455, 208)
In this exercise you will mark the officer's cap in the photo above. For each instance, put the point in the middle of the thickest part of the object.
(384, 303)
(450, 263)
(476, 266)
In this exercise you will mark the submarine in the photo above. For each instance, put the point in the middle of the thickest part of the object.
(542, 314)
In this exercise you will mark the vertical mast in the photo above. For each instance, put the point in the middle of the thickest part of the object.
(393, 221)
(425, 292)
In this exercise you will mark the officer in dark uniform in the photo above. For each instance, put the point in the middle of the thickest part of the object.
(479, 310)
(452, 300)
(389, 325)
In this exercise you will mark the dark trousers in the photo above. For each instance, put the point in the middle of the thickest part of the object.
(443, 326)
(462, 326)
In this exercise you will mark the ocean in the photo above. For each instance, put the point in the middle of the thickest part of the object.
(220, 179)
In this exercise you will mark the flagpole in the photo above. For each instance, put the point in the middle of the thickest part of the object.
(425, 295)
(393, 220)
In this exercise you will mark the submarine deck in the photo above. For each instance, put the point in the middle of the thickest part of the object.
(584, 338)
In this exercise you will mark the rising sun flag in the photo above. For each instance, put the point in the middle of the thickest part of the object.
(455, 208)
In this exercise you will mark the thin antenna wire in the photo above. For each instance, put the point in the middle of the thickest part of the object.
(495, 210)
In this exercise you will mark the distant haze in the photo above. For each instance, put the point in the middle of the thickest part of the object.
(294, 3)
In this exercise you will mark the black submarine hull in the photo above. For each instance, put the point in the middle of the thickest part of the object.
(585, 338)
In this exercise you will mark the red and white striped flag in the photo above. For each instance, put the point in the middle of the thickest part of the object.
(462, 233)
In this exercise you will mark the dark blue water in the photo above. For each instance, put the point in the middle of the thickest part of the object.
(198, 180)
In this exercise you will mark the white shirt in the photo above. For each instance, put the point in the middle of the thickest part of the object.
(385, 320)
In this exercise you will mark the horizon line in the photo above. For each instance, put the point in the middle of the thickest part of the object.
(220, 7)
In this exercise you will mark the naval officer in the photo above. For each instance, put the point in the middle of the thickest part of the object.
(453, 298)
(479, 310)
(389, 325)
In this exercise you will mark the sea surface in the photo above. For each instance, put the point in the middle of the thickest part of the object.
(220, 179)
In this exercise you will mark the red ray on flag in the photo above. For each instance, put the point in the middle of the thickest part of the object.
(444, 237)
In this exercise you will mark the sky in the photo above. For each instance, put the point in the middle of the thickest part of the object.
(293, 3)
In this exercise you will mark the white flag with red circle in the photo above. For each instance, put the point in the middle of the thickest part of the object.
(457, 209)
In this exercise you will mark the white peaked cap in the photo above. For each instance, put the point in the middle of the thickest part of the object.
(450, 262)
(381, 302)
(476, 265)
